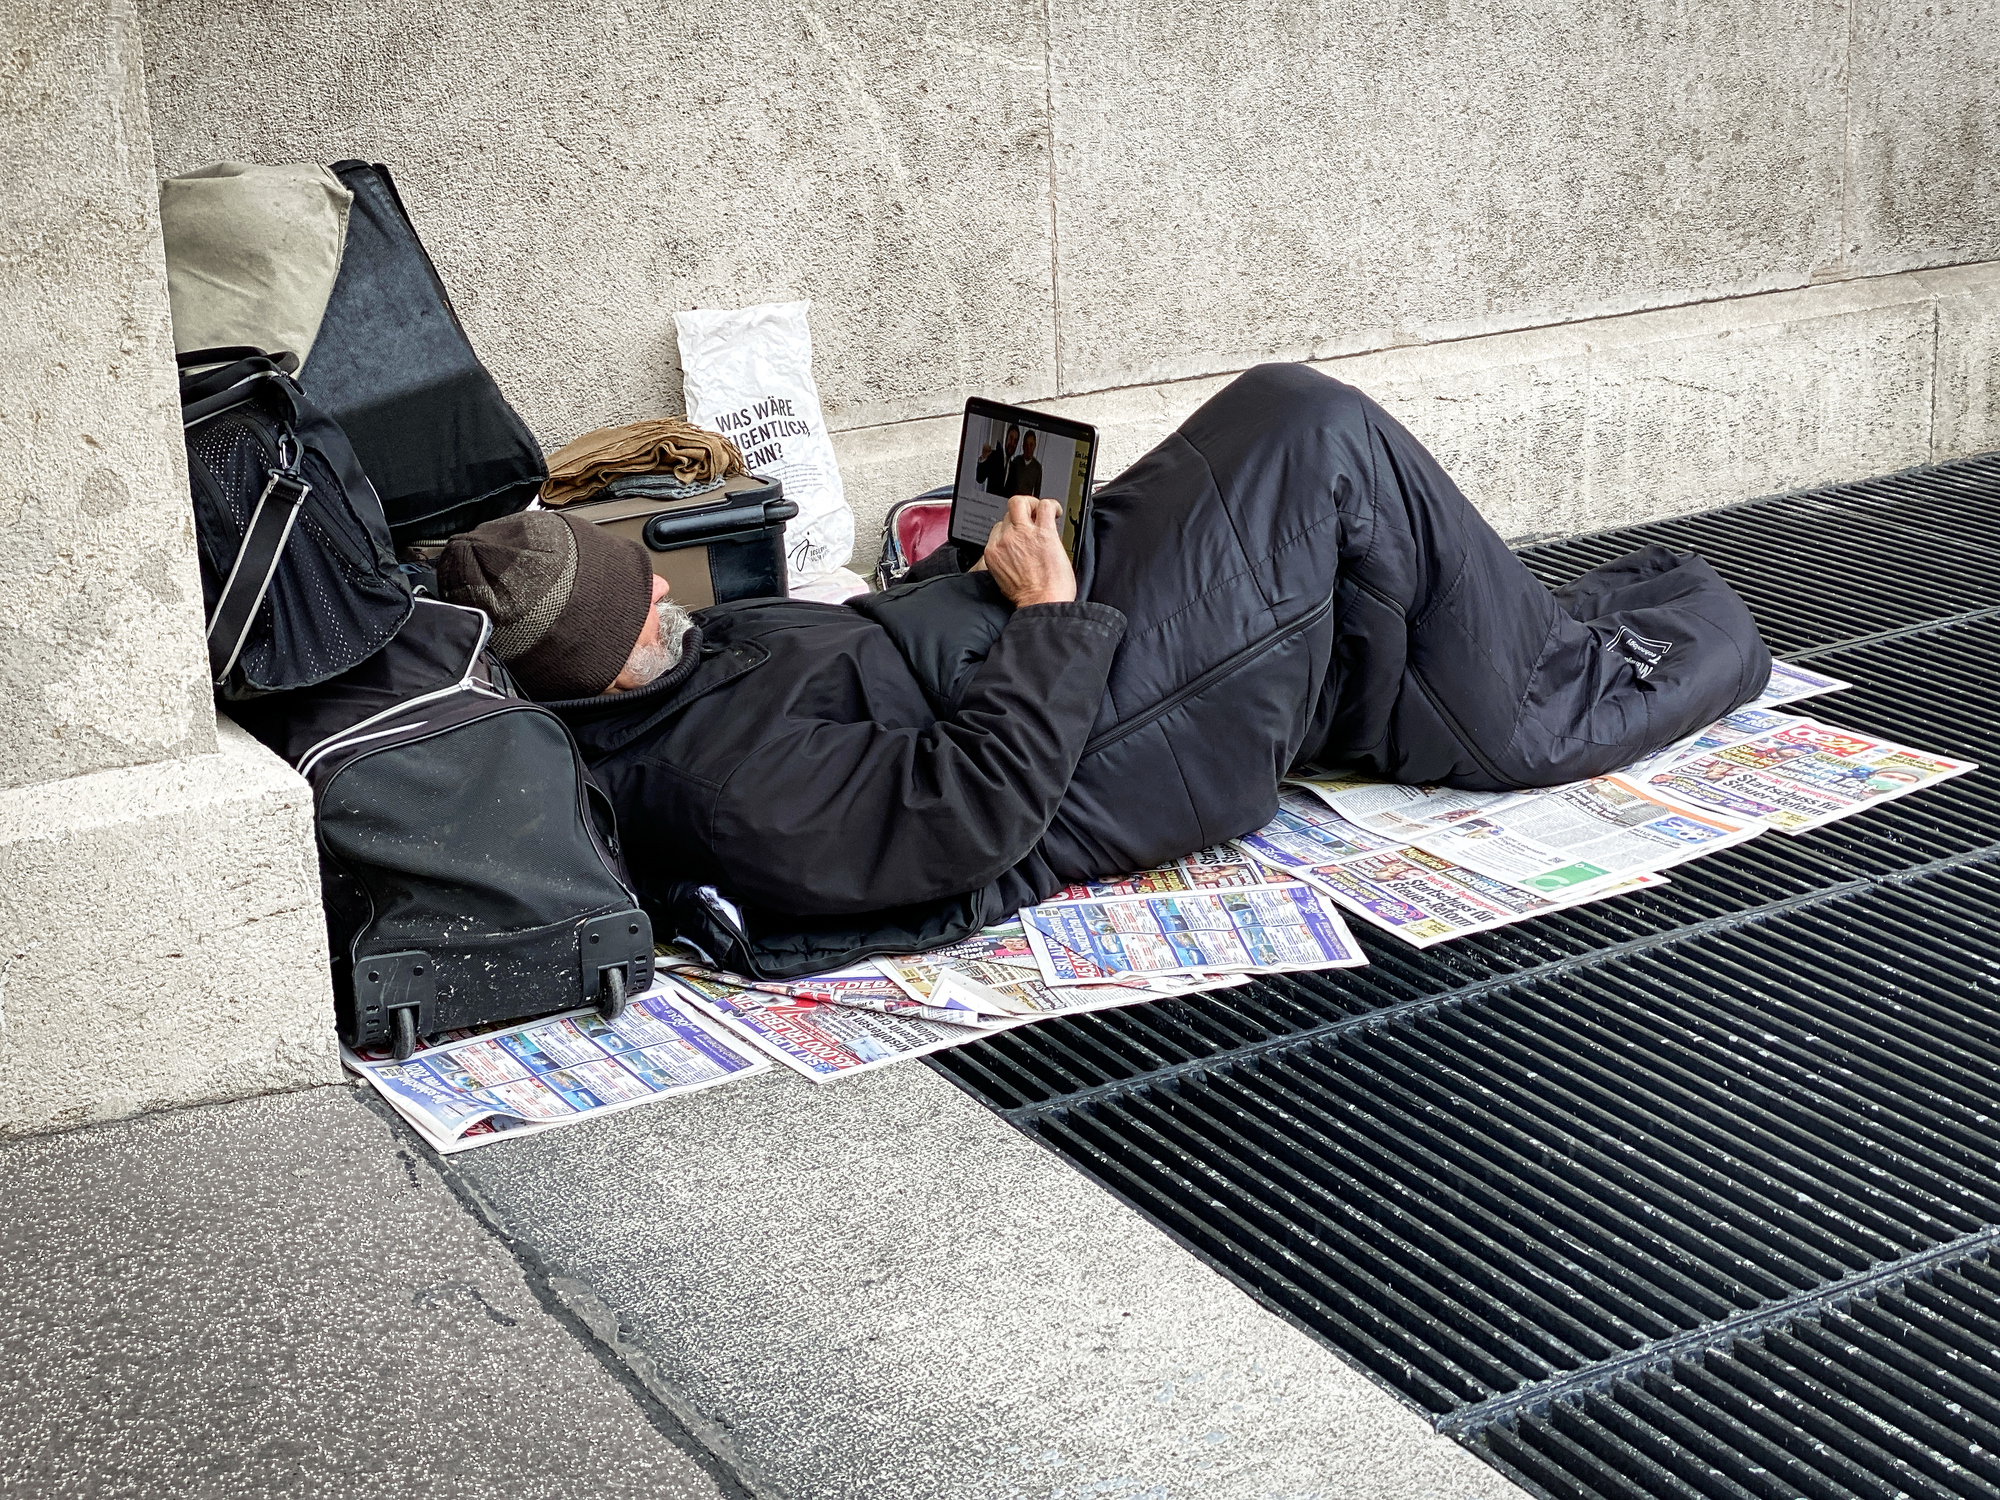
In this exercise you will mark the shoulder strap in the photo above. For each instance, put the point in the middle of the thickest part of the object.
(223, 375)
(228, 354)
(271, 522)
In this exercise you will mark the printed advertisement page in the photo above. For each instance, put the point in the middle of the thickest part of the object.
(1590, 835)
(1805, 775)
(1732, 729)
(1220, 868)
(1307, 832)
(1790, 683)
(821, 1040)
(470, 1090)
(1422, 899)
(865, 987)
(1265, 929)
(1000, 963)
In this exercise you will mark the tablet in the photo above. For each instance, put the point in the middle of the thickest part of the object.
(1009, 450)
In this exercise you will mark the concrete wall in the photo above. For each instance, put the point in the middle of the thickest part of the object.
(100, 611)
(1059, 202)
(160, 934)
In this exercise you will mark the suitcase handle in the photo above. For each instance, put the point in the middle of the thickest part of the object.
(672, 529)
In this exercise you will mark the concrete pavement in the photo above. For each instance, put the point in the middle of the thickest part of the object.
(280, 1297)
(774, 1289)
(877, 1288)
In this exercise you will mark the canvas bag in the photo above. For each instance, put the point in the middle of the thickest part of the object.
(442, 445)
(747, 374)
(252, 254)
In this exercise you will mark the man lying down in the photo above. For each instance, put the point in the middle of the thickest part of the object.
(1289, 579)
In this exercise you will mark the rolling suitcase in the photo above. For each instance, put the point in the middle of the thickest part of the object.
(469, 861)
(393, 367)
(726, 544)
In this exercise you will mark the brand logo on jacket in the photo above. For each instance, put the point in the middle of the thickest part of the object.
(1644, 655)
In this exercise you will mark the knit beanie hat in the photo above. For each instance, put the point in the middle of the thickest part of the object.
(567, 598)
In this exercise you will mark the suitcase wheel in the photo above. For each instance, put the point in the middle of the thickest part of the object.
(611, 1004)
(405, 1032)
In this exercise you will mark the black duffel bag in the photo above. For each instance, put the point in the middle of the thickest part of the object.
(469, 862)
(392, 365)
(297, 575)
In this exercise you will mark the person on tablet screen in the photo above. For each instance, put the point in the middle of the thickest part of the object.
(996, 462)
(1288, 580)
(1025, 477)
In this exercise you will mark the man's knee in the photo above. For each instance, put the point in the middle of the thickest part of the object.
(1277, 418)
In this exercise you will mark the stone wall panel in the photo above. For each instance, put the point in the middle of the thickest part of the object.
(578, 174)
(1300, 182)
(1924, 134)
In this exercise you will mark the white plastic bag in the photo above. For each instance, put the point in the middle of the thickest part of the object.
(747, 374)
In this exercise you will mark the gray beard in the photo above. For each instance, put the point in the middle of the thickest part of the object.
(654, 659)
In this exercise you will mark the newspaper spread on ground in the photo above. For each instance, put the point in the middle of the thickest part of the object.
(1587, 836)
(473, 1088)
(1790, 683)
(1000, 963)
(1405, 814)
(1400, 814)
(1223, 867)
(957, 1001)
(1260, 929)
(1421, 898)
(1731, 729)
(1803, 775)
(822, 1039)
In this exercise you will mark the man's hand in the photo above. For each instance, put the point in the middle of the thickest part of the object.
(1025, 553)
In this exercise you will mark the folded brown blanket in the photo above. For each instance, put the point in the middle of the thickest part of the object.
(665, 445)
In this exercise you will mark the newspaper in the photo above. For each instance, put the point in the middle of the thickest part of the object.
(1803, 775)
(1421, 898)
(1400, 814)
(818, 1038)
(1000, 964)
(1223, 867)
(1263, 929)
(1586, 837)
(957, 1002)
(470, 1089)
(1790, 683)
(1731, 729)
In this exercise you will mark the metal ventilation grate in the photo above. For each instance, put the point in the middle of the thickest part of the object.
(1893, 1393)
(1686, 1193)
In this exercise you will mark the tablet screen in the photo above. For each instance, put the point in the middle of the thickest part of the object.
(1007, 450)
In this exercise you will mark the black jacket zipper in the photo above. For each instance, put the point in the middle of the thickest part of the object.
(1220, 670)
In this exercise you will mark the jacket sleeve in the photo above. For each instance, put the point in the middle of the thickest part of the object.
(829, 818)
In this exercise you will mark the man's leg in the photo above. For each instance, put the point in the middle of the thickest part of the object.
(1221, 546)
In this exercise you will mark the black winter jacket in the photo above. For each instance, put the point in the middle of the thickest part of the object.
(828, 761)
(1289, 578)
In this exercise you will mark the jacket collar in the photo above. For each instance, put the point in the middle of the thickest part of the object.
(608, 722)
(599, 705)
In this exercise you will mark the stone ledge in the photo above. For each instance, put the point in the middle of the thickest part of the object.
(1613, 420)
(161, 939)
(1966, 419)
